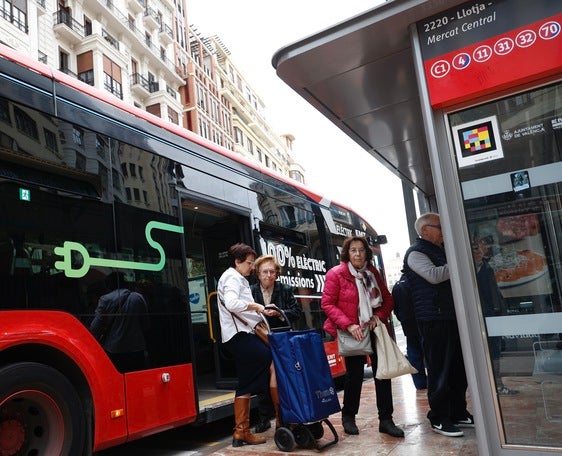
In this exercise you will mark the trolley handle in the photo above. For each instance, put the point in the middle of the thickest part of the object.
(288, 326)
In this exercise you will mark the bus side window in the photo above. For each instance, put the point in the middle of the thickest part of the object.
(7, 256)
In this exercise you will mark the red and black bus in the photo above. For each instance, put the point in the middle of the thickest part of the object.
(91, 186)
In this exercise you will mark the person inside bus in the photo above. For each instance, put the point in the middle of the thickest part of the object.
(121, 324)
(427, 271)
(493, 304)
(269, 291)
(239, 314)
(355, 291)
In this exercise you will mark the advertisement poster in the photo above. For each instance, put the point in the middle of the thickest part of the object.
(514, 247)
(198, 299)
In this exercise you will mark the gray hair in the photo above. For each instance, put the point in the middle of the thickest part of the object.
(423, 220)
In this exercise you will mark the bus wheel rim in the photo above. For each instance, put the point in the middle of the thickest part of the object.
(30, 421)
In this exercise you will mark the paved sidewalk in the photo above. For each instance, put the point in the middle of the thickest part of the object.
(410, 409)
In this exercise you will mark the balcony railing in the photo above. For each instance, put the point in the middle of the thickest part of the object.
(64, 17)
(110, 39)
(68, 71)
(139, 79)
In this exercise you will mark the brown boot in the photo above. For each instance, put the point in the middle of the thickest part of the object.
(242, 434)
(274, 393)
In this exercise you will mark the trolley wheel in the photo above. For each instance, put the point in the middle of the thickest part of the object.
(284, 439)
(40, 412)
(316, 429)
(304, 437)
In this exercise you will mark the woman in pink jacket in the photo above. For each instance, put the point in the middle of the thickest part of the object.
(355, 291)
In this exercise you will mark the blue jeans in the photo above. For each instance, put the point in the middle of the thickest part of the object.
(414, 351)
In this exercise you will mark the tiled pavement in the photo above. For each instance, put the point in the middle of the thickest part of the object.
(410, 409)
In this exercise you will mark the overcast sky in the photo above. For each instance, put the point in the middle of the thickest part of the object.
(253, 30)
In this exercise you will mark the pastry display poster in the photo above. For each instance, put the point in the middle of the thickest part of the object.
(513, 246)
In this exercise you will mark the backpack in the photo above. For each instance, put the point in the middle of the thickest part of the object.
(402, 297)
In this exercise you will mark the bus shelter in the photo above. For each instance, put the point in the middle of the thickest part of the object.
(463, 101)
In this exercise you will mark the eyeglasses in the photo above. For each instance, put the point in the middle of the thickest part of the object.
(251, 263)
(357, 251)
(434, 226)
(268, 271)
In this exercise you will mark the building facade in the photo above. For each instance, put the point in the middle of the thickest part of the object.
(146, 53)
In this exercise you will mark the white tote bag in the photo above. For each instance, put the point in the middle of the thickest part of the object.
(391, 361)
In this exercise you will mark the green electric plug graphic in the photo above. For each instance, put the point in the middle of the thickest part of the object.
(68, 247)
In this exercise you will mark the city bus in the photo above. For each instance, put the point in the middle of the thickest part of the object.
(91, 186)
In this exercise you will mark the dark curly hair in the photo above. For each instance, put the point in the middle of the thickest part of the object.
(239, 252)
(345, 248)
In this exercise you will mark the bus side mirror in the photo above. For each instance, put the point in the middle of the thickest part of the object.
(378, 240)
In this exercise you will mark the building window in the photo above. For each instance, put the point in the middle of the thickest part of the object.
(87, 26)
(101, 147)
(85, 65)
(51, 140)
(238, 136)
(112, 77)
(10, 12)
(25, 123)
(63, 61)
(5, 111)
(87, 77)
(78, 136)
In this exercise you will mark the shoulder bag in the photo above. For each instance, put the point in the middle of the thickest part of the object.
(261, 329)
(391, 362)
(348, 346)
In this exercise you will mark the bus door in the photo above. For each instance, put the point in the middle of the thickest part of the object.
(209, 232)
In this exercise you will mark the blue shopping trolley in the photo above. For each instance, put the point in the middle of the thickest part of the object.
(307, 394)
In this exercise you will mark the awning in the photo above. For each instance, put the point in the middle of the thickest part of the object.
(360, 75)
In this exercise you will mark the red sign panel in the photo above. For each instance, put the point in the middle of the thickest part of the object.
(499, 61)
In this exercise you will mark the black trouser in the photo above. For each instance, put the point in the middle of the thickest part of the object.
(446, 376)
(266, 410)
(355, 366)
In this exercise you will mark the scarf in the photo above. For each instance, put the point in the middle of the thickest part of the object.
(370, 296)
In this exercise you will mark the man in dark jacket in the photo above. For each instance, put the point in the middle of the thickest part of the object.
(121, 322)
(425, 265)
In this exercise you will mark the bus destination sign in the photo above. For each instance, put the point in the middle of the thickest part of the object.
(479, 48)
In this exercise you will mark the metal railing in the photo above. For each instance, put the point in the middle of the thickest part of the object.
(64, 17)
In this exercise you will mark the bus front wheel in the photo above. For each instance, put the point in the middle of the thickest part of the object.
(40, 412)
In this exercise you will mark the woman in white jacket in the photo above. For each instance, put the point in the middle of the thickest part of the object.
(239, 314)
